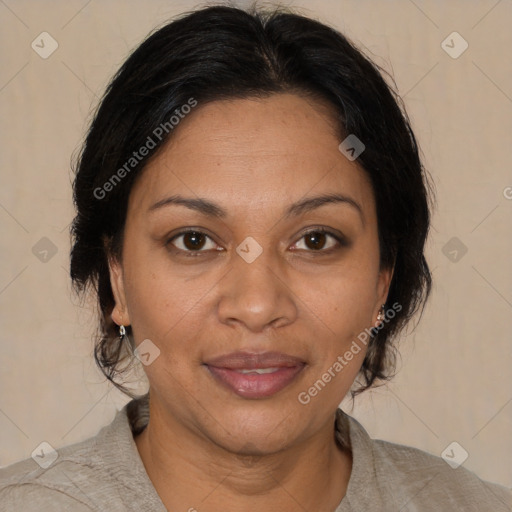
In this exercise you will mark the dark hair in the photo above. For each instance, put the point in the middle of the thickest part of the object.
(224, 52)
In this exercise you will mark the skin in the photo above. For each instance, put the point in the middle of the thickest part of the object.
(205, 446)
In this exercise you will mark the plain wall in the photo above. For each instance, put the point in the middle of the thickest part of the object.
(454, 380)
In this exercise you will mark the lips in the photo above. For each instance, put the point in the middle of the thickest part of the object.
(255, 375)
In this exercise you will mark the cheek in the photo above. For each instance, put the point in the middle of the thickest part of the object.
(343, 306)
(164, 306)
(344, 298)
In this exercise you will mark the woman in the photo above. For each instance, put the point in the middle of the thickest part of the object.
(252, 214)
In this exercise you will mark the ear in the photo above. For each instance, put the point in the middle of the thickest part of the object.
(120, 313)
(383, 283)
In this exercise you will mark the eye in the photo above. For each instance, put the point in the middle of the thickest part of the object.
(316, 240)
(192, 241)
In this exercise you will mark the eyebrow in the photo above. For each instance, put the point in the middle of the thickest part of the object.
(211, 209)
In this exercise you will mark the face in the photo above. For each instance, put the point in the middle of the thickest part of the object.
(253, 305)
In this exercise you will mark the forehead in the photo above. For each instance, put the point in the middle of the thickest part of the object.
(252, 153)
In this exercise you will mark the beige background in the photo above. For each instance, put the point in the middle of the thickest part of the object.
(454, 384)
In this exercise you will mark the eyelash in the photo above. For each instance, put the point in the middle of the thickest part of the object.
(342, 242)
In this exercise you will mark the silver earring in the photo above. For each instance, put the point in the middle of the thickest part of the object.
(124, 338)
(382, 313)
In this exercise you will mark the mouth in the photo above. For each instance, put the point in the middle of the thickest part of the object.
(255, 375)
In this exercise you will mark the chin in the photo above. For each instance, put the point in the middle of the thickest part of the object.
(258, 426)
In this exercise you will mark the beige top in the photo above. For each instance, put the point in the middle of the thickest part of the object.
(106, 473)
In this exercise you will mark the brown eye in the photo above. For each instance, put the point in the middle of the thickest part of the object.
(192, 241)
(318, 241)
(315, 240)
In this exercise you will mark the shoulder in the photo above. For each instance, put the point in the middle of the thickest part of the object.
(32, 497)
(70, 478)
(100, 473)
(398, 477)
(28, 487)
(431, 480)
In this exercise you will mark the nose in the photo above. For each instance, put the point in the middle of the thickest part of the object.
(256, 293)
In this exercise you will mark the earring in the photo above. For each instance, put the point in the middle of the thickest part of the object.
(382, 313)
(124, 338)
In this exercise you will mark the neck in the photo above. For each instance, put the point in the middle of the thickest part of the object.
(191, 472)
